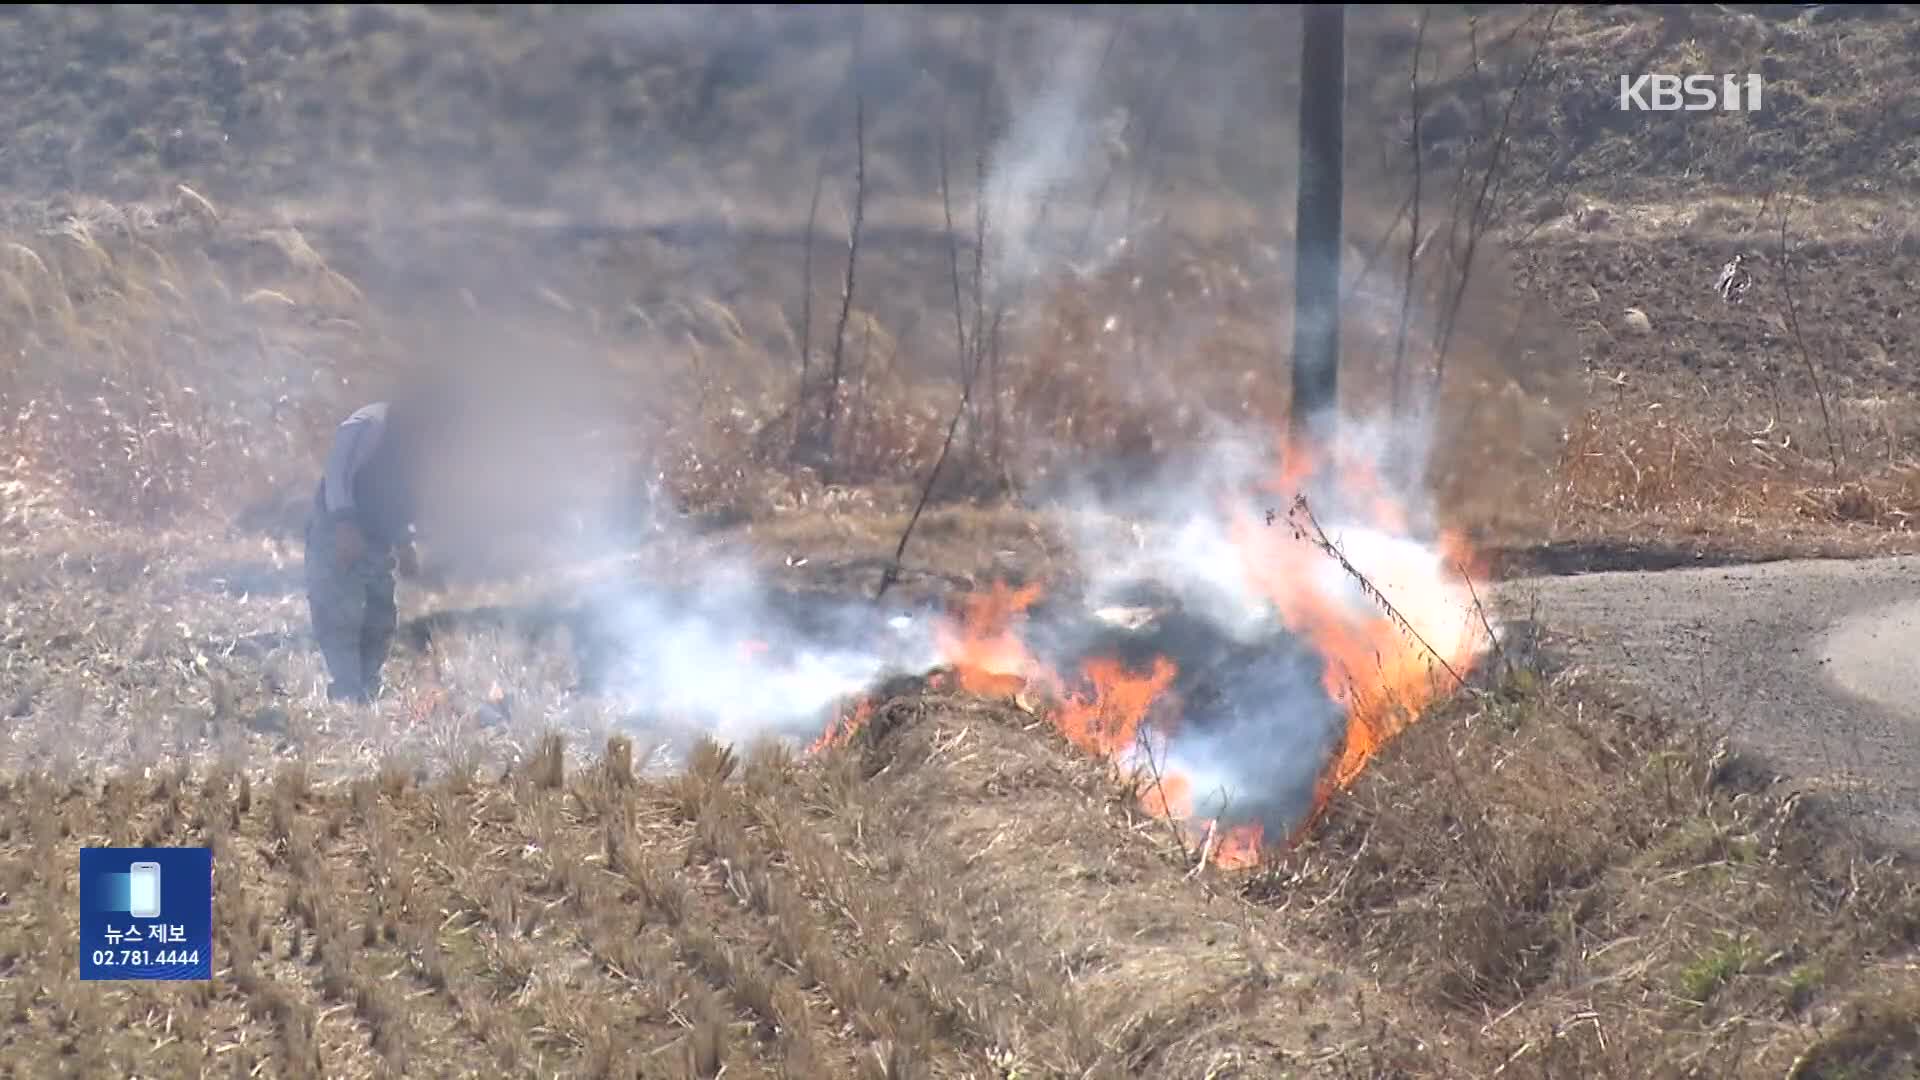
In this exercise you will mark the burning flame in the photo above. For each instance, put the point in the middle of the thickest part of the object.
(1106, 721)
(1391, 636)
(1388, 633)
(846, 722)
(984, 652)
(1108, 718)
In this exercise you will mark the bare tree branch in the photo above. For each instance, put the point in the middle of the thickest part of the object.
(953, 248)
(1836, 444)
(806, 303)
(967, 347)
(1307, 527)
(847, 289)
(1481, 220)
(1413, 208)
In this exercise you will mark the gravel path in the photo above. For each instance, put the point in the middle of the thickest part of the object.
(1814, 664)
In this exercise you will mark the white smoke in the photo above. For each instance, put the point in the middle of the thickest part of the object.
(1257, 726)
(738, 659)
(1056, 149)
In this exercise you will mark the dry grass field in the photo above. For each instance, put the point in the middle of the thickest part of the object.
(738, 298)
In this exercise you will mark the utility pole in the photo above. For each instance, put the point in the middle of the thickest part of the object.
(1317, 231)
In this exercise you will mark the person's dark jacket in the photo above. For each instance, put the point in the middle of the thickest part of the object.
(372, 476)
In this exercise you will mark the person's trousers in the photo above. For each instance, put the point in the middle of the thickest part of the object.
(353, 612)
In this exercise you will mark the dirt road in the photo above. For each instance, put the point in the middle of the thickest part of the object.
(1813, 664)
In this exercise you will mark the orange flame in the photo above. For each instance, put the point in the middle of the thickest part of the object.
(1109, 719)
(985, 652)
(1238, 847)
(846, 723)
(1170, 796)
(1106, 722)
(1400, 658)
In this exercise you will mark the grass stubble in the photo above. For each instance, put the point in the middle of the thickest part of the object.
(1541, 878)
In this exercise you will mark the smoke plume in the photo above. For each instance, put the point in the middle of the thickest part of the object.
(1246, 611)
(739, 660)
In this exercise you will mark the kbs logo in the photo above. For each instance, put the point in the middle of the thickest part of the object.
(1692, 93)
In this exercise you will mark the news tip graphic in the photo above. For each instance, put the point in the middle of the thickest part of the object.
(146, 913)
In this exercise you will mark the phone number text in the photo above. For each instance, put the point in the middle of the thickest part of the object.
(144, 957)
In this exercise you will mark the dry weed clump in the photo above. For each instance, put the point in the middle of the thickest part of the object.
(1746, 472)
(1577, 888)
(147, 349)
(146, 377)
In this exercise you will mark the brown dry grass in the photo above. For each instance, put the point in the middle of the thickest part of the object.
(754, 914)
(1572, 886)
(1750, 475)
(1536, 878)
(183, 361)
(1536, 881)
(137, 401)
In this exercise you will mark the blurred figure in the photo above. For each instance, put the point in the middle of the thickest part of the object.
(361, 529)
(1734, 280)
